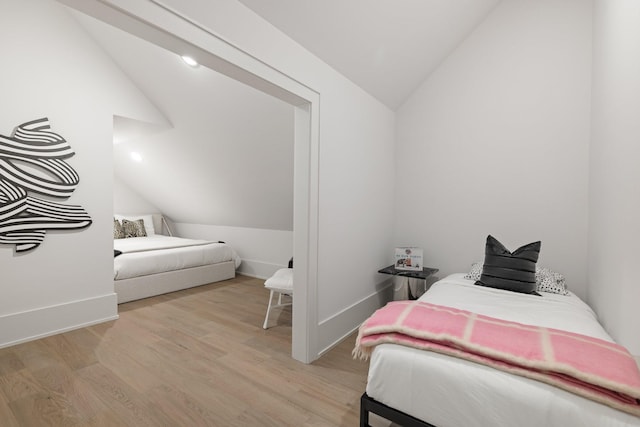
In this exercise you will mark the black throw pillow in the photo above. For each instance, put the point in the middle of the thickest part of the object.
(513, 271)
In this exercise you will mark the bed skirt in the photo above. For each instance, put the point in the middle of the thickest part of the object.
(157, 284)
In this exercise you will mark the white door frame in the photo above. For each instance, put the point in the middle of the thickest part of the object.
(166, 27)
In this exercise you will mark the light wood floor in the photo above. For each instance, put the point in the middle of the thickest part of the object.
(197, 357)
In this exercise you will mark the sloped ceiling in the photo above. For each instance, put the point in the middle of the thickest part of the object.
(224, 154)
(387, 47)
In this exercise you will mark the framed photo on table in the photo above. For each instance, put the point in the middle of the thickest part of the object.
(408, 258)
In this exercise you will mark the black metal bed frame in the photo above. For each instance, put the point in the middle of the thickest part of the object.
(368, 404)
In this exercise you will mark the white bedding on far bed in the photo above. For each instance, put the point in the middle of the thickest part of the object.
(450, 392)
(142, 256)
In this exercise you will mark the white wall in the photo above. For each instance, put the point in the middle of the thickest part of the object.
(127, 200)
(614, 205)
(495, 141)
(52, 69)
(262, 251)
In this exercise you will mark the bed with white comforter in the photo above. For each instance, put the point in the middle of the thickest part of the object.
(450, 392)
(157, 254)
(158, 264)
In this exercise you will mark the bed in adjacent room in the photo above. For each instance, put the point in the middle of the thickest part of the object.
(443, 391)
(149, 263)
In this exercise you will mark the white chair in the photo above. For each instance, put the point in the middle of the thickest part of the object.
(281, 283)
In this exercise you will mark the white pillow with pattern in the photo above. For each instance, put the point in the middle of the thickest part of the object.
(550, 281)
(475, 272)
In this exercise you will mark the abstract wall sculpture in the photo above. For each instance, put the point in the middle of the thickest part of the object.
(32, 163)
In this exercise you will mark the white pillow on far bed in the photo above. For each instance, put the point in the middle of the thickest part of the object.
(147, 219)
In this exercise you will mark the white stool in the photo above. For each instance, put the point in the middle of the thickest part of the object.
(281, 283)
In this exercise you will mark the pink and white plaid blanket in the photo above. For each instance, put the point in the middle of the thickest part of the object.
(590, 367)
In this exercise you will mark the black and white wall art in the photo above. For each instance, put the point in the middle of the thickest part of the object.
(34, 179)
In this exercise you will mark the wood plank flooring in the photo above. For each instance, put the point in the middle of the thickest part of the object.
(197, 357)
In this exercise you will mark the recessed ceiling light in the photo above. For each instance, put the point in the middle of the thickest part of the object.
(136, 156)
(189, 61)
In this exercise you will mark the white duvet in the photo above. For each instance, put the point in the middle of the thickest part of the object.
(142, 256)
(450, 392)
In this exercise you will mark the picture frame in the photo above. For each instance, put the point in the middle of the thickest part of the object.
(408, 258)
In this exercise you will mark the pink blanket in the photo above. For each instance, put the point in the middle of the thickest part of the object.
(598, 370)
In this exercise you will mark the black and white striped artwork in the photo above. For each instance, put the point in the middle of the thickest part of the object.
(34, 179)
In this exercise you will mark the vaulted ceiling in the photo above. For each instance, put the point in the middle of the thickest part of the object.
(220, 152)
(387, 47)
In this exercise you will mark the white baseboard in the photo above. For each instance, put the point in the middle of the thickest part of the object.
(258, 269)
(46, 321)
(339, 326)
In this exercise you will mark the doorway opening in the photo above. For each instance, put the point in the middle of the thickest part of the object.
(177, 33)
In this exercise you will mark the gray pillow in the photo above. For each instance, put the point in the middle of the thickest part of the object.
(133, 228)
(118, 231)
(512, 271)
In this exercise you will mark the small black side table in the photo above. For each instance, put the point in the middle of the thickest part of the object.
(401, 288)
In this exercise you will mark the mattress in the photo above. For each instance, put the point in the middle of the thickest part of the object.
(450, 392)
(143, 256)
